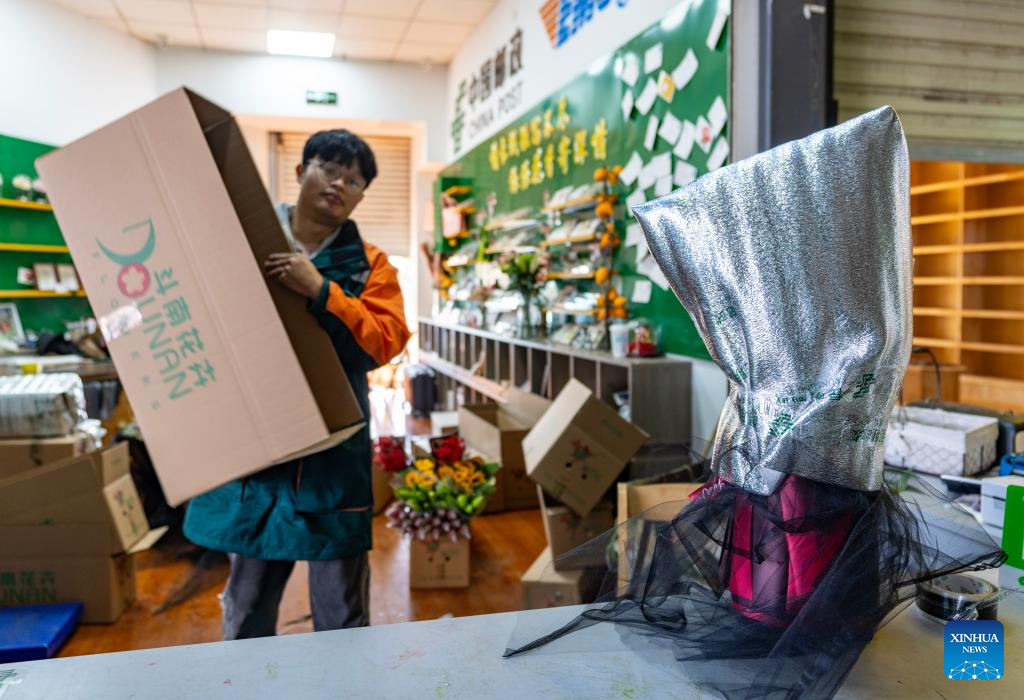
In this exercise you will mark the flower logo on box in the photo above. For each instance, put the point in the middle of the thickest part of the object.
(133, 280)
(973, 650)
(173, 345)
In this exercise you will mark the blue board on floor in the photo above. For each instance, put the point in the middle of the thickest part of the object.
(36, 631)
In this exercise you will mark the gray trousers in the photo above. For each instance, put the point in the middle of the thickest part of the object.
(339, 595)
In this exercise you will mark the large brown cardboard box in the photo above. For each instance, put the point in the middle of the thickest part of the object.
(19, 454)
(544, 587)
(565, 530)
(497, 431)
(67, 529)
(65, 563)
(579, 446)
(168, 224)
(441, 564)
(94, 489)
(657, 503)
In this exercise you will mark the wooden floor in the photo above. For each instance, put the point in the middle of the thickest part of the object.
(503, 547)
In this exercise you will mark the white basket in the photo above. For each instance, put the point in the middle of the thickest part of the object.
(934, 441)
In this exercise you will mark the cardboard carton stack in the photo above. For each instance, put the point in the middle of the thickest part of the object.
(169, 239)
(574, 452)
(496, 431)
(68, 529)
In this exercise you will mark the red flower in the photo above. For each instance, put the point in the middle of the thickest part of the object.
(389, 455)
(448, 449)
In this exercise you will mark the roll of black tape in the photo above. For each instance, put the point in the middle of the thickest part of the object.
(958, 597)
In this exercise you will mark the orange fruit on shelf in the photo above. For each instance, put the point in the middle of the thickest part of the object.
(604, 210)
(601, 276)
(601, 174)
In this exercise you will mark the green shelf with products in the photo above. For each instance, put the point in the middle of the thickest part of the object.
(29, 234)
(601, 119)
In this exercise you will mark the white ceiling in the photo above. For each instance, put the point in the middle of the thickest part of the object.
(383, 30)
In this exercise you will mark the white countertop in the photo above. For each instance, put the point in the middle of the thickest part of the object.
(461, 658)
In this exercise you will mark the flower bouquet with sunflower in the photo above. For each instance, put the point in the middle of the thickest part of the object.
(437, 497)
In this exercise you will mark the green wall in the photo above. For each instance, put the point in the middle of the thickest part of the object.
(17, 156)
(596, 96)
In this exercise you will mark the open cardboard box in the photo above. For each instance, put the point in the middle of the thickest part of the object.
(67, 529)
(20, 454)
(579, 446)
(226, 374)
(497, 431)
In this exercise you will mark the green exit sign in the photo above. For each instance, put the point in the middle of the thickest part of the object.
(321, 97)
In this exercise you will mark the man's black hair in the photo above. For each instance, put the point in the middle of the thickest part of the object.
(341, 146)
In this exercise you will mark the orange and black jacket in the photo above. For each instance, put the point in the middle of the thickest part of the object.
(360, 305)
(319, 507)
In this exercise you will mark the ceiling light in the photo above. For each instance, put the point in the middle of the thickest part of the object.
(288, 43)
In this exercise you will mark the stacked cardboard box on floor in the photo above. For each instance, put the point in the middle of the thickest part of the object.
(68, 529)
(20, 454)
(574, 452)
(566, 530)
(226, 373)
(657, 503)
(441, 564)
(496, 431)
(578, 447)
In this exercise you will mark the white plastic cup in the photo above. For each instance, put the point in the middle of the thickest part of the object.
(619, 333)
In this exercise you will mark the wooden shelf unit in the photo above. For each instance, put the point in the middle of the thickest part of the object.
(19, 204)
(32, 248)
(968, 235)
(35, 294)
(481, 363)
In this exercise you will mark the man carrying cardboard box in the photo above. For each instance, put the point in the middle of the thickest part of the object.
(317, 508)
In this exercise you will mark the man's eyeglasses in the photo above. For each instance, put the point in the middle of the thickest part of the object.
(334, 172)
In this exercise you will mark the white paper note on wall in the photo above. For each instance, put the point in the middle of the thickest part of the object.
(704, 137)
(652, 58)
(647, 176)
(627, 105)
(642, 251)
(636, 199)
(685, 143)
(634, 235)
(718, 25)
(686, 69)
(661, 165)
(632, 169)
(717, 115)
(652, 132)
(641, 292)
(671, 127)
(719, 154)
(684, 174)
(663, 186)
(647, 97)
(630, 69)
